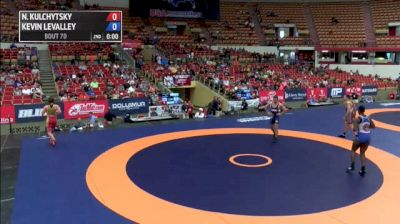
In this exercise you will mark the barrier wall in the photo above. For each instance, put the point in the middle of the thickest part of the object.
(386, 71)
(201, 96)
(26, 119)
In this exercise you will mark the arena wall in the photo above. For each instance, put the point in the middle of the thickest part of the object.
(392, 71)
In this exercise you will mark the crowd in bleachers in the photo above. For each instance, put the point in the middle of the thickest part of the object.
(99, 81)
(231, 77)
(20, 76)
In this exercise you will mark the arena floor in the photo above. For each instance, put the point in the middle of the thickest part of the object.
(220, 170)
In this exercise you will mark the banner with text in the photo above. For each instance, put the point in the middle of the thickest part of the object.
(355, 89)
(267, 95)
(77, 109)
(206, 9)
(129, 106)
(7, 115)
(32, 113)
(295, 95)
(369, 90)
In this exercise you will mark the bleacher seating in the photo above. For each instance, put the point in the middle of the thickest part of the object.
(348, 32)
(17, 76)
(384, 12)
(231, 30)
(283, 13)
(79, 51)
(8, 22)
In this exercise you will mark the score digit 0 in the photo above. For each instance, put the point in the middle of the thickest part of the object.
(114, 16)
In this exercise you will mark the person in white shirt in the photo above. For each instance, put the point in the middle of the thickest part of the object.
(27, 91)
(35, 71)
(200, 113)
(131, 90)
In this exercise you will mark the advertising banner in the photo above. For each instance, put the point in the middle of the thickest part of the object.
(206, 9)
(369, 90)
(267, 95)
(81, 109)
(32, 113)
(317, 93)
(131, 106)
(335, 93)
(355, 89)
(182, 80)
(7, 115)
(295, 95)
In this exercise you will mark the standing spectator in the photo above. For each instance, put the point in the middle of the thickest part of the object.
(109, 117)
(92, 119)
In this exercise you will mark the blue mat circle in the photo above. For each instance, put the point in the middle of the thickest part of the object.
(392, 118)
(305, 176)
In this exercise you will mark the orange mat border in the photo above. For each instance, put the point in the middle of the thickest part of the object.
(109, 183)
(383, 125)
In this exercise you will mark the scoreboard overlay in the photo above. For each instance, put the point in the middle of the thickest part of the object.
(70, 26)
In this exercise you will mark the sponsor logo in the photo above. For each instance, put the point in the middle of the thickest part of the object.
(85, 109)
(6, 120)
(29, 113)
(336, 92)
(295, 95)
(128, 106)
(369, 90)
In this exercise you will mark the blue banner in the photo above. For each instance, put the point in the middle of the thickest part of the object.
(337, 92)
(369, 90)
(129, 106)
(32, 113)
(295, 95)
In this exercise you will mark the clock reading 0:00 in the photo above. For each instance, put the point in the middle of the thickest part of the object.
(112, 36)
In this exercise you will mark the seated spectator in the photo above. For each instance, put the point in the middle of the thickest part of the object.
(17, 92)
(200, 114)
(127, 118)
(27, 92)
(94, 84)
(334, 21)
(13, 46)
(37, 93)
(244, 105)
(18, 83)
(153, 112)
(79, 126)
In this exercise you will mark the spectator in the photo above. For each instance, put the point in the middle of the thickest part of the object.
(27, 91)
(37, 93)
(109, 117)
(200, 114)
(244, 105)
(79, 126)
(334, 21)
(94, 84)
(92, 119)
(153, 112)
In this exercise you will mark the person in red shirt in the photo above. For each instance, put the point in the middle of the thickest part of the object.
(190, 109)
(51, 111)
